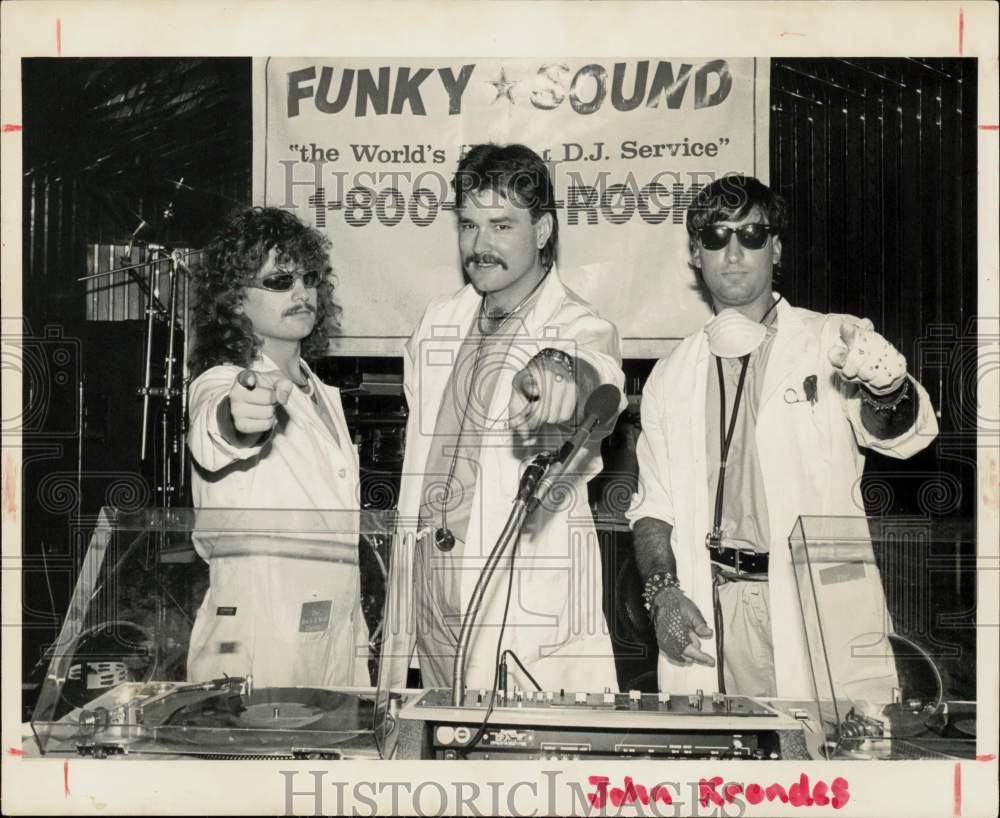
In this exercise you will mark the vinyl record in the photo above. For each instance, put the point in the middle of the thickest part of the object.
(279, 715)
(965, 726)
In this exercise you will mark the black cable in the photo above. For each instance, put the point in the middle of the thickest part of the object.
(524, 670)
(727, 436)
(726, 442)
(499, 655)
(720, 637)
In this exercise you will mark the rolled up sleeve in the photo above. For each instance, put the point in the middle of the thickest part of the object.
(653, 498)
(209, 447)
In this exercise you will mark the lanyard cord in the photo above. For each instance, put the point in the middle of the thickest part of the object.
(726, 437)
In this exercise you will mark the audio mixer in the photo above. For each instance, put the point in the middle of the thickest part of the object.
(575, 724)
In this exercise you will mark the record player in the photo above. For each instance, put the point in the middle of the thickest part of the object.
(220, 719)
(115, 681)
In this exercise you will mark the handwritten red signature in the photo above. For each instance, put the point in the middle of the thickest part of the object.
(717, 791)
(628, 794)
(798, 794)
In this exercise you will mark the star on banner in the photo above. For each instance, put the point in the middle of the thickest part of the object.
(503, 87)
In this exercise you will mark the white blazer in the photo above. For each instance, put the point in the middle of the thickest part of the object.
(555, 623)
(811, 461)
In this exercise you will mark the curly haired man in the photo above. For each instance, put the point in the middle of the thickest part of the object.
(284, 600)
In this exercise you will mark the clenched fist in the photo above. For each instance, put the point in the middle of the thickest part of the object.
(254, 399)
(866, 358)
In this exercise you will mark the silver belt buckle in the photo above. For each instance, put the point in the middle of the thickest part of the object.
(749, 552)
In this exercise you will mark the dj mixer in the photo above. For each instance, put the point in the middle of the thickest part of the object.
(576, 724)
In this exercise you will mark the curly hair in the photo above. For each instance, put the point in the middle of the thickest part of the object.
(223, 335)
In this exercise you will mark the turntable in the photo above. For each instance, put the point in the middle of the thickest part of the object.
(115, 682)
(222, 719)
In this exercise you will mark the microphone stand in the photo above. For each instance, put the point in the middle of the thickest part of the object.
(512, 528)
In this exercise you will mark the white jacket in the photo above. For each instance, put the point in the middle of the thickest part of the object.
(556, 624)
(811, 462)
(284, 601)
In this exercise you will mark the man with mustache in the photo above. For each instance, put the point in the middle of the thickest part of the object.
(266, 433)
(756, 419)
(494, 374)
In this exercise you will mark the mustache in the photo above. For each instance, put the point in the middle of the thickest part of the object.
(484, 258)
(299, 308)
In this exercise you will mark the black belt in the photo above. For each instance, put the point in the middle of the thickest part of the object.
(743, 562)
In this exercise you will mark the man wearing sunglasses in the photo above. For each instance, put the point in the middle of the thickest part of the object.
(756, 419)
(266, 433)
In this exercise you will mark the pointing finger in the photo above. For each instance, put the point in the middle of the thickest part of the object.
(526, 383)
(247, 379)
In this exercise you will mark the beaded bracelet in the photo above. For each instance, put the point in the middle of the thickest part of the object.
(880, 406)
(559, 357)
(656, 583)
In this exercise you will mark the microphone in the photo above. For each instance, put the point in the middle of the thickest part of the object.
(601, 406)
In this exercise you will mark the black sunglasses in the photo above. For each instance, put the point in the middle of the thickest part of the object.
(751, 236)
(283, 280)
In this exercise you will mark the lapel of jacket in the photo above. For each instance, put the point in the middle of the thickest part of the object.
(438, 351)
(786, 353)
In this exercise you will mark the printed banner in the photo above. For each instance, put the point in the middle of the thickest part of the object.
(365, 150)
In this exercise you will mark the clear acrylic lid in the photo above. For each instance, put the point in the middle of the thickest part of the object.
(117, 678)
(891, 654)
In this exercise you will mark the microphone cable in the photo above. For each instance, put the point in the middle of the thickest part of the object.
(497, 658)
(520, 664)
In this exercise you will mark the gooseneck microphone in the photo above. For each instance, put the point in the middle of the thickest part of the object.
(601, 407)
(544, 471)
